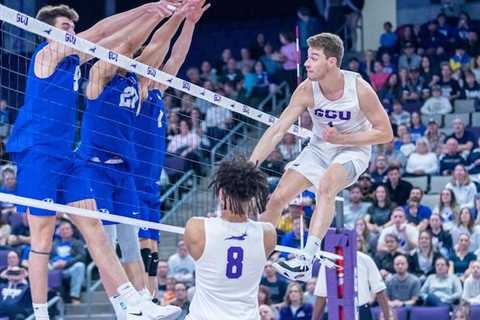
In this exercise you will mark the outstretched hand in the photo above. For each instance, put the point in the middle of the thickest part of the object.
(200, 8)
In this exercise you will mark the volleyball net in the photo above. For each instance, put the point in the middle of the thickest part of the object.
(206, 120)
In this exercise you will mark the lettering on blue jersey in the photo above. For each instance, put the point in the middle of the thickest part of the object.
(186, 85)
(70, 38)
(23, 19)
(76, 78)
(159, 120)
(245, 109)
(129, 98)
(217, 98)
(333, 114)
(151, 72)
(113, 56)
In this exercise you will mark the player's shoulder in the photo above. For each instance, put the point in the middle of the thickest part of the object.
(304, 91)
(195, 222)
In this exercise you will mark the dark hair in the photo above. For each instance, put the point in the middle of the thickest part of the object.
(288, 36)
(441, 258)
(48, 14)
(393, 167)
(241, 182)
(304, 11)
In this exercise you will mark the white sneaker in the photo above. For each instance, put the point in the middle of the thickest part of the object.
(147, 310)
(296, 269)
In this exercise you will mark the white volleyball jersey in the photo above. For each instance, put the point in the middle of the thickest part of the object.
(344, 113)
(228, 273)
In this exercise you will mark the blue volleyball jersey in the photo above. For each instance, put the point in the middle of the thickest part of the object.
(107, 126)
(47, 120)
(150, 142)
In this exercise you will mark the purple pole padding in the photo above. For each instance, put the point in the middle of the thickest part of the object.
(347, 239)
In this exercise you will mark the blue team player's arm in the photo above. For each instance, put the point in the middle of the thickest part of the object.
(133, 37)
(182, 45)
(105, 33)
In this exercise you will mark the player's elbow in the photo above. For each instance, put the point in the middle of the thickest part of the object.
(386, 134)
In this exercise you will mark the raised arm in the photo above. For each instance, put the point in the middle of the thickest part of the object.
(371, 106)
(301, 99)
(156, 50)
(182, 45)
(134, 36)
(49, 57)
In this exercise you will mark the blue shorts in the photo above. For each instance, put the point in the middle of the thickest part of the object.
(114, 190)
(150, 211)
(44, 177)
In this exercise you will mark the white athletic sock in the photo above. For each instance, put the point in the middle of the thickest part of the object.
(119, 307)
(129, 295)
(146, 294)
(312, 246)
(40, 310)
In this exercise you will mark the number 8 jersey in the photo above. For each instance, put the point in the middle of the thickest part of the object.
(228, 273)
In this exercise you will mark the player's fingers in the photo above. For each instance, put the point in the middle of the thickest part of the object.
(205, 8)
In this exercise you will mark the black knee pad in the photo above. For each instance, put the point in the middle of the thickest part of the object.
(152, 270)
(146, 257)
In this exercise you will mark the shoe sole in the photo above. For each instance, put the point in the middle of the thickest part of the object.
(291, 275)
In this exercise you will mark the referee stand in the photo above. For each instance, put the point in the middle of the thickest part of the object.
(342, 282)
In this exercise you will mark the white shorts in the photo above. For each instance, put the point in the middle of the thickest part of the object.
(316, 158)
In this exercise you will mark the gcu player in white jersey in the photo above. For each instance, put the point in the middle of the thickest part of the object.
(230, 251)
(348, 119)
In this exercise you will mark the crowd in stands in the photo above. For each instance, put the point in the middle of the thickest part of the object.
(416, 210)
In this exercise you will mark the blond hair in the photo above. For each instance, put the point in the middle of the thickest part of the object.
(330, 43)
(49, 14)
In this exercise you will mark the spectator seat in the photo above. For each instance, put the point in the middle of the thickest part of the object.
(438, 118)
(401, 313)
(476, 119)
(464, 105)
(54, 279)
(422, 313)
(430, 200)
(437, 183)
(475, 312)
(420, 182)
(3, 258)
(450, 117)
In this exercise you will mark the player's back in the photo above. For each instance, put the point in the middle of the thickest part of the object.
(46, 121)
(229, 271)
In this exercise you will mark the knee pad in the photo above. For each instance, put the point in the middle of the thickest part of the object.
(152, 268)
(146, 257)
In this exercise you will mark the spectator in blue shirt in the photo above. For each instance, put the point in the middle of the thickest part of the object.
(388, 39)
(68, 255)
(294, 308)
(292, 239)
(415, 212)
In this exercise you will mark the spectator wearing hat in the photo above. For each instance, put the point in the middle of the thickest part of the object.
(437, 104)
(365, 182)
(294, 210)
(292, 239)
(409, 59)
